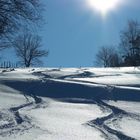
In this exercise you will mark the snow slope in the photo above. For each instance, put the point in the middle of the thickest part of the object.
(70, 103)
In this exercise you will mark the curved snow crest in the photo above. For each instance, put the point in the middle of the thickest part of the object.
(56, 88)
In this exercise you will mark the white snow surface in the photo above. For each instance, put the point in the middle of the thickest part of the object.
(72, 106)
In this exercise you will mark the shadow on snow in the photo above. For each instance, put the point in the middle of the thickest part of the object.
(58, 89)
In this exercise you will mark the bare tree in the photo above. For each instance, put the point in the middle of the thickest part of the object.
(28, 49)
(130, 43)
(107, 57)
(14, 14)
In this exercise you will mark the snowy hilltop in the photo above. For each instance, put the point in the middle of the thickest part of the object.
(70, 103)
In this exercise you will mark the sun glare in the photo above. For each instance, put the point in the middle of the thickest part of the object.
(103, 6)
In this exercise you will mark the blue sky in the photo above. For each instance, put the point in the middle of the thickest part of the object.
(73, 31)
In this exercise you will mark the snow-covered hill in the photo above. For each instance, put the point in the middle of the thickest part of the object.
(70, 104)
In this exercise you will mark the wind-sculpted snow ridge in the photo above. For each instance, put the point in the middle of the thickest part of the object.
(15, 123)
(115, 115)
(56, 88)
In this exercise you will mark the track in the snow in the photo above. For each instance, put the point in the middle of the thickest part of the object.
(108, 132)
(16, 122)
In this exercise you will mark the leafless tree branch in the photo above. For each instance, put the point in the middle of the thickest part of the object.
(28, 49)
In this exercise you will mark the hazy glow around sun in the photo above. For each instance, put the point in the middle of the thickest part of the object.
(103, 6)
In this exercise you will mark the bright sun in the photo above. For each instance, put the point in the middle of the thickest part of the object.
(103, 6)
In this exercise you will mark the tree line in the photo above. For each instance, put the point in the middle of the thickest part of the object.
(128, 51)
(19, 21)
